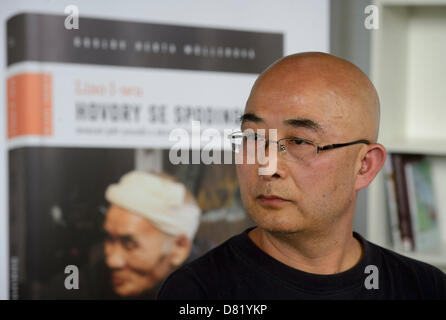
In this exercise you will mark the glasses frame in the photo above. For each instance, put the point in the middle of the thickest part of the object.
(282, 147)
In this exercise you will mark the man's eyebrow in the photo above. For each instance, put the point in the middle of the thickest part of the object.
(120, 236)
(303, 123)
(250, 117)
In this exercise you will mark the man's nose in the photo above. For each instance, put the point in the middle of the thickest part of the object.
(278, 173)
(272, 167)
(114, 256)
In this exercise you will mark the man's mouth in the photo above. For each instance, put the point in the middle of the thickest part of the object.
(117, 280)
(272, 200)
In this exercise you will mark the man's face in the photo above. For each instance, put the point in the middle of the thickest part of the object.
(134, 252)
(317, 192)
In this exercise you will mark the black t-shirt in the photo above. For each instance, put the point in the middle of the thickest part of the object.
(238, 269)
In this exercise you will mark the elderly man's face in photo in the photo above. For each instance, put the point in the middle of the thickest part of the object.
(134, 252)
(301, 101)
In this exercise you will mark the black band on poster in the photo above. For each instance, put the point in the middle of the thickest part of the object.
(44, 38)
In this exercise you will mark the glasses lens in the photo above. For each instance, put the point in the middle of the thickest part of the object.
(299, 150)
(236, 140)
(247, 144)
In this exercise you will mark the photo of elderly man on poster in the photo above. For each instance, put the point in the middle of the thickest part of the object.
(149, 227)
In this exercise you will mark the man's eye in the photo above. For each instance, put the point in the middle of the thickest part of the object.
(297, 141)
(130, 245)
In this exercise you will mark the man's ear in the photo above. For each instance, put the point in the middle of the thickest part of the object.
(372, 161)
(181, 247)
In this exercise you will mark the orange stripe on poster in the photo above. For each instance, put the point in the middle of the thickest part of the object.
(30, 105)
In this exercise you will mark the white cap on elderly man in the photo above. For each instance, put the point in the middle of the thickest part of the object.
(159, 200)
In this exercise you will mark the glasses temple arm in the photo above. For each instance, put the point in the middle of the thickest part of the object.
(339, 145)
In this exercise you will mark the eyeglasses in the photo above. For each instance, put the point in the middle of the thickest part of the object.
(292, 149)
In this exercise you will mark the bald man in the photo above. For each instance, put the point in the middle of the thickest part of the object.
(326, 113)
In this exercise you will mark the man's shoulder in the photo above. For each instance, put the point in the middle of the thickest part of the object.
(403, 262)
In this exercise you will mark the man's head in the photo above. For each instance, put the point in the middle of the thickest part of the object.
(150, 226)
(327, 100)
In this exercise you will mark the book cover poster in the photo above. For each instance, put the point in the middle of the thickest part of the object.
(87, 113)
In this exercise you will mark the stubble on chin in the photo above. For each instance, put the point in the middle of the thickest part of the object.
(284, 221)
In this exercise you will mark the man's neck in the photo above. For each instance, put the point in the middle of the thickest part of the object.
(320, 254)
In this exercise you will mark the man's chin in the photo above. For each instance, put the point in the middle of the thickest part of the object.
(127, 293)
(281, 222)
(123, 292)
(275, 229)
(279, 227)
